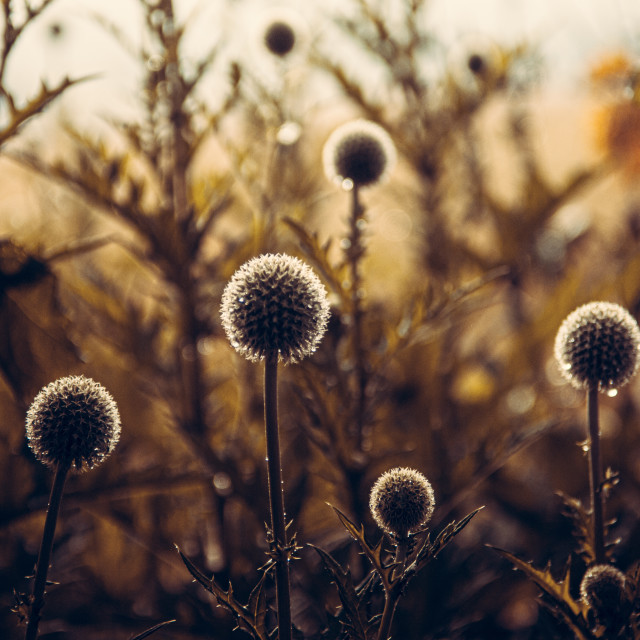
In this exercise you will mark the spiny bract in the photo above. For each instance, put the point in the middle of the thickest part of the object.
(597, 346)
(275, 303)
(73, 421)
(401, 501)
(358, 151)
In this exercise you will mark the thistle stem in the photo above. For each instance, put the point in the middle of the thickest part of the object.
(392, 596)
(276, 496)
(356, 251)
(390, 604)
(44, 556)
(595, 474)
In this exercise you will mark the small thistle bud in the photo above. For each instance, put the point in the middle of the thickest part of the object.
(401, 501)
(280, 38)
(275, 303)
(603, 589)
(597, 346)
(73, 421)
(359, 153)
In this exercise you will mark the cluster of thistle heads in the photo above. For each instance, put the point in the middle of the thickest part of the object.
(276, 306)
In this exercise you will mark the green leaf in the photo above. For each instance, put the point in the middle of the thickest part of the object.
(250, 618)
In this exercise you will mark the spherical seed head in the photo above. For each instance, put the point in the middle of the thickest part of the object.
(73, 421)
(597, 346)
(603, 588)
(360, 152)
(280, 38)
(275, 303)
(476, 63)
(401, 501)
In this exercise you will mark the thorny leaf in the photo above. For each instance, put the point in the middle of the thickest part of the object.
(564, 606)
(351, 602)
(35, 106)
(429, 550)
(582, 531)
(374, 554)
(148, 632)
(250, 618)
(318, 254)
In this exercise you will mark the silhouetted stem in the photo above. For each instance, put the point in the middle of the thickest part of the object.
(276, 496)
(356, 251)
(390, 604)
(595, 474)
(44, 556)
(393, 596)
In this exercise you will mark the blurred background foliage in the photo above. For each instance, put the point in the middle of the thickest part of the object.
(503, 214)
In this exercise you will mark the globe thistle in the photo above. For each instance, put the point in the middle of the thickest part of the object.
(359, 153)
(275, 303)
(401, 501)
(282, 31)
(73, 421)
(603, 589)
(280, 38)
(597, 346)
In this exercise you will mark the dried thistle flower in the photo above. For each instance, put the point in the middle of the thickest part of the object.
(275, 303)
(603, 589)
(73, 421)
(401, 501)
(359, 153)
(597, 346)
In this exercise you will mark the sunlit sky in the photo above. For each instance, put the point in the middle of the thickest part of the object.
(569, 34)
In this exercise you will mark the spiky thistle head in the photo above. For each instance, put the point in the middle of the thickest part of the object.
(401, 501)
(597, 346)
(275, 303)
(359, 153)
(73, 421)
(603, 589)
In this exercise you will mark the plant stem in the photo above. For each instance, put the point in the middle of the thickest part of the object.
(595, 475)
(390, 603)
(44, 556)
(276, 495)
(356, 251)
(392, 596)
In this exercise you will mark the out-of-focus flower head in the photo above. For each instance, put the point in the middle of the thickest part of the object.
(360, 153)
